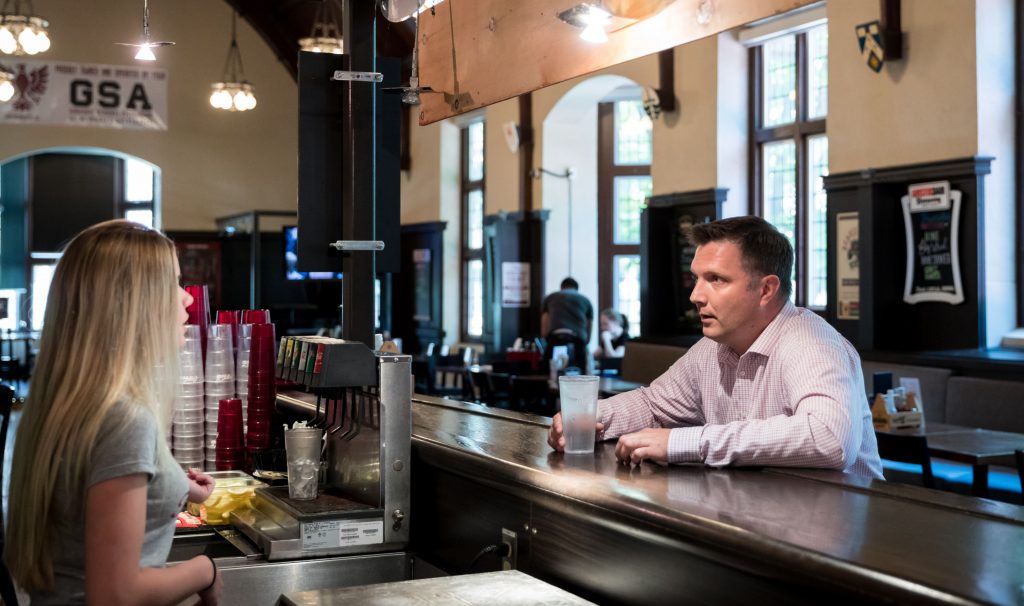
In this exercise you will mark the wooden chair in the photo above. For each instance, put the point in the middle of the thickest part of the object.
(907, 449)
(489, 388)
(7, 593)
(532, 393)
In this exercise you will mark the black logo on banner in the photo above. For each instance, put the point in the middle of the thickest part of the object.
(108, 94)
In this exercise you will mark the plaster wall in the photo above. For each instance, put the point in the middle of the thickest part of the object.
(213, 163)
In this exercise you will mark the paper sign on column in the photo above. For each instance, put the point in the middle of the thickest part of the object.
(515, 284)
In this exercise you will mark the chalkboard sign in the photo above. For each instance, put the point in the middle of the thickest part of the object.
(931, 217)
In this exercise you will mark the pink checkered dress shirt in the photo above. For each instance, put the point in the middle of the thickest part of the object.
(794, 399)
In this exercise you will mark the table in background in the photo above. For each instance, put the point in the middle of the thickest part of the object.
(974, 445)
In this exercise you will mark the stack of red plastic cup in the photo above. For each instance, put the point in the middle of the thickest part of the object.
(262, 389)
(230, 443)
(199, 311)
(255, 316)
(234, 318)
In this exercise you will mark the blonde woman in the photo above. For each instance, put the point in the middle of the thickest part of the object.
(94, 488)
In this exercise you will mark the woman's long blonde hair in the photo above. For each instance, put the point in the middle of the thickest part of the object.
(110, 335)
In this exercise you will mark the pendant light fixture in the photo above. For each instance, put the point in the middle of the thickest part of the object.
(146, 46)
(233, 93)
(326, 34)
(21, 31)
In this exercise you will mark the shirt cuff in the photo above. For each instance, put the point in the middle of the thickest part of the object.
(684, 445)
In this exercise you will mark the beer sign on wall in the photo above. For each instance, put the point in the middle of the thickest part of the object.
(83, 94)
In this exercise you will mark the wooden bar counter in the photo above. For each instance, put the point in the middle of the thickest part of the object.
(689, 534)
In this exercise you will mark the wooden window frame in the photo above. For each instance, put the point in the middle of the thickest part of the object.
(467, 186)
(798, 131)
(607, 170)
(1018, 145)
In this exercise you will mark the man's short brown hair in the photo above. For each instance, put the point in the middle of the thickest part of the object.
(765, 251)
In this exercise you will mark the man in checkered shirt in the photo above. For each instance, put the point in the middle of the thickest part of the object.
(769, 384)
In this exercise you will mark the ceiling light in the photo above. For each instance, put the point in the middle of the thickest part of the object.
(591, 18)
(146, 46)
(233, 92)
(326, 34)
(6, 86)
(21, 32)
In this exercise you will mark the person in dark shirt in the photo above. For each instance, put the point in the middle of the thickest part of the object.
(567, 319)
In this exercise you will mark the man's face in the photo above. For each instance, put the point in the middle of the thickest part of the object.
(727, 297)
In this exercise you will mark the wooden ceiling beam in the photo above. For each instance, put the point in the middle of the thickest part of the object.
(479, 52)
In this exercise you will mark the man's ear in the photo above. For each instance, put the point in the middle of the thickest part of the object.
(769, 289)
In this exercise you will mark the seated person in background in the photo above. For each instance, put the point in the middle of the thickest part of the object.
(614, 334)
(770, 384)
(567, 319)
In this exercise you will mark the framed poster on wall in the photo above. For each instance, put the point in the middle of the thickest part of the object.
(201, 264)
(848, 266)
(931, 219)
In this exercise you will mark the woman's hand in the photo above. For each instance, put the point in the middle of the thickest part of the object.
(200, 486)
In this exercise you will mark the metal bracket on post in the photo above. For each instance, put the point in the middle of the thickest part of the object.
(371, 245)
(348, 76)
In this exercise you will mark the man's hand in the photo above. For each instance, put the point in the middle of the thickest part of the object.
(200, 486)
(650, 444)
(556, 439)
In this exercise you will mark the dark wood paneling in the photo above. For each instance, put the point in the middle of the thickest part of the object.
(415, 331)
(512, 237)
(886, 322)
(664, 293)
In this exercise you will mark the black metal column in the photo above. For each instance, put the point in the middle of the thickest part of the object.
(359, 170)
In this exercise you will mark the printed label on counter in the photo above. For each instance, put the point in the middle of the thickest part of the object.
(336, 533)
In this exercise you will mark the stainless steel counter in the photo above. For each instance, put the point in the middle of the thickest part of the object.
(508, 588)
(723, 533)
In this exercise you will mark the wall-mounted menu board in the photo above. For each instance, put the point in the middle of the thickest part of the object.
(931, 218)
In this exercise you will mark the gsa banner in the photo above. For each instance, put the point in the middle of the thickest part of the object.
(82, 94)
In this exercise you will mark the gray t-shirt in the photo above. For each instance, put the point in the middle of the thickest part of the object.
(569, 310)
(127, 444)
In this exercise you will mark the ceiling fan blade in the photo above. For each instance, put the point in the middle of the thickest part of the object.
(407, 89)
(147, 44)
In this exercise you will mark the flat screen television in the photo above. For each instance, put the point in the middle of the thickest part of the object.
(291, 259)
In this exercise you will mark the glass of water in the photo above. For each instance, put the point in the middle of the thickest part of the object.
(578, 396)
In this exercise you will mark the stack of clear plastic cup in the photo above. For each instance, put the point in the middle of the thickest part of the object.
(244, 333)
(220, 381)
(187, 427)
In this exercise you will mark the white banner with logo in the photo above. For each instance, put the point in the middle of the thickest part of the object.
(84, 94)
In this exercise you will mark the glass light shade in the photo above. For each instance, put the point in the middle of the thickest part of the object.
(6, 90)
(8, 43)
(145, 54)
(27, 40)
(233, 96)
(320, 44)
(23, 35)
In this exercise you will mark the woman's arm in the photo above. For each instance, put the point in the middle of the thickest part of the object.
(115, 525)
